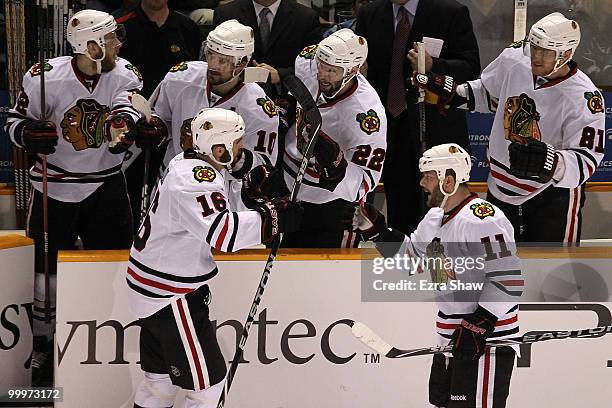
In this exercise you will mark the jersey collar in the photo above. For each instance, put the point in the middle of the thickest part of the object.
(449, 215)
(88, 81)
(223, 99)
(547, 84)
(331, 102)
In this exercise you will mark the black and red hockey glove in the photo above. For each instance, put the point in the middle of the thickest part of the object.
(440, 90)
(534, 159)
(262, 184)
(118, 129)
(470, 338)
(150, 134)
(37, 136)
(330, 162)
(279, 216)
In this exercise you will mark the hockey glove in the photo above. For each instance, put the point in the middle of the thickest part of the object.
(279, 216)
(149, 135)
(262, 184)
(440, 90)
(118, 129)
(368, 222)
(534, 159)
(286, 106)
(330, 162)
(470, 338)
(37, 136)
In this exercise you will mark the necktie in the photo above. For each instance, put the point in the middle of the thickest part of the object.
(264, 26)
(396, 96)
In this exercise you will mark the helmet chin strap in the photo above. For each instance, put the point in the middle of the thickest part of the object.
(97, 61)
(446, 195)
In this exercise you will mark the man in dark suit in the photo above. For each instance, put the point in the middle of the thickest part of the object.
(391, 28)
(282, 29)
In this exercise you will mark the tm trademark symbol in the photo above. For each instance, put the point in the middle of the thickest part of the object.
(371, 358)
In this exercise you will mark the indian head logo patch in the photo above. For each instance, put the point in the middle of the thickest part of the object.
(594, 102)
(482, 210)
(521, 119)
(204, 173)
(369, 122)
(268, 106)
(83, 124)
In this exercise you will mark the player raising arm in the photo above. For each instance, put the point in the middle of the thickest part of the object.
(548, 135)
(171, 261)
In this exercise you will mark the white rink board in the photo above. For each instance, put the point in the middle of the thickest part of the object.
(16, 296)
(563, 374)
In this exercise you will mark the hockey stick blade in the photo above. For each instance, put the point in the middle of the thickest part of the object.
(376, 343)
(300, 92)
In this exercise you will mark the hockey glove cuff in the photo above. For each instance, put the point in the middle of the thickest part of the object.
(279, 216)
(470, 338)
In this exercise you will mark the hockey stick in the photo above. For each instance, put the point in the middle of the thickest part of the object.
(141, 104)
(313, 117)
(43, 116)
(422, 117)
(375, 342)
(520, 19)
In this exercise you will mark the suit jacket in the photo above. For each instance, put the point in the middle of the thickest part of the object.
(295, 26)
(444, 19)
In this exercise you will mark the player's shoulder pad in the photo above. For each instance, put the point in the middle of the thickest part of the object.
(261, 102)
(125, 69)
(192, 173)
(54, 69)
(187, 71)
(594, 101)
(308, 52)
(517, 44)
(368, 113)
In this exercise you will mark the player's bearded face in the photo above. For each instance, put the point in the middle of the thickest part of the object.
(542, 60)
(431, 187)
(220, 67)
(330, 78)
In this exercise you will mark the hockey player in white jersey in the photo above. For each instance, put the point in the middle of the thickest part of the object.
(193, 85)
(459, 225)
(87, 99)
(548, 136)
(171, 261)
(350, 151)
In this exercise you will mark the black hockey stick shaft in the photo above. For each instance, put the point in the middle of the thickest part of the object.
(371, 339)
(313, 116)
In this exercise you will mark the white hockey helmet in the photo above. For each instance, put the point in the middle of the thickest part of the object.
(91, 25)
(557, 33)
(448, 156)
(233, 39)
(343, 49)
(215, 126)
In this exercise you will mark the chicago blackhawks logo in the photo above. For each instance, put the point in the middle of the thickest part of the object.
(35, 70)
(268, 106)
(482, 210)
(594, 102)
(517, 44)
(204, 173)
(309, 52)
(181, 66)
(135, 70)
(83, 124)
(439, 265)
(369, 122)
(521, 119)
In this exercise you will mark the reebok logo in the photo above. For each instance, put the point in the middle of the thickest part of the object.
(458, 398)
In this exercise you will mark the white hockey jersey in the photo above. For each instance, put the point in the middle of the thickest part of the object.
(185, 90)
(477, 230)
(567, 113)
(189, 214)
(78, 105)
(356, 121)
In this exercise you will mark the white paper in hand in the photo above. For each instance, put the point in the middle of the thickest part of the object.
(256, 74)
(433, 46)
(141, 104)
